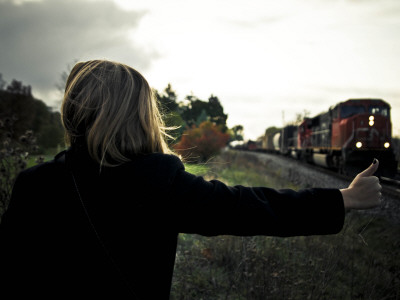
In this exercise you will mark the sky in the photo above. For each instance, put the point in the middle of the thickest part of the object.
(266, 60)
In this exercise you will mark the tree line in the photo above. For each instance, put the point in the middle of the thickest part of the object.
(17, 105)
(198, 128)
(27, 126)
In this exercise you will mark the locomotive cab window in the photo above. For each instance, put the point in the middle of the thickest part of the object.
(346, 111)
(379, 110)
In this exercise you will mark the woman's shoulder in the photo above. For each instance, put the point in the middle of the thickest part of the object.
(156, 170)
(156, 162)
(48, 167)
(170, 159)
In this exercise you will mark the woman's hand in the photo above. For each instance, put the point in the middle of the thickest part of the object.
(364, 191)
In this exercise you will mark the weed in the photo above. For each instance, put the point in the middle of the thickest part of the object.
(14, 155)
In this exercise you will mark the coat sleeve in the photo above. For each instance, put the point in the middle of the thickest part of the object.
(213, 208)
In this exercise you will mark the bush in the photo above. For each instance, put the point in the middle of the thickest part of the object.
(199, 144)
(14, 153)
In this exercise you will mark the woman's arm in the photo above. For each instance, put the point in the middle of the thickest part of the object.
(213, 208)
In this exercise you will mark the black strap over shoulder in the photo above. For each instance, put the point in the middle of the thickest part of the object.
(61, 159)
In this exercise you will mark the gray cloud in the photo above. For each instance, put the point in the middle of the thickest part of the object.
(39, 39)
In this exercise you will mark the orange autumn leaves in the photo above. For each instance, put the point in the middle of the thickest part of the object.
(199, 144)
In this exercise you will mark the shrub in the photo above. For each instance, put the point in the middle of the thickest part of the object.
(14, 153)
(199, 144)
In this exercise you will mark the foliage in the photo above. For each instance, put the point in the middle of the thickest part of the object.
(2, 82)
(199, 144)
(16, 87)
(197, 111)
(190, 112)
(14, 155)
(32, 114)
(62, 81)
(237, 133)
(317, 267)
(174, 125)
(272, 130)
(167, 99)
(169, 108)
(216, 111)
(198, 169)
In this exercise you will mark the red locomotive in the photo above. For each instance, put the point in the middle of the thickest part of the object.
(346, 138)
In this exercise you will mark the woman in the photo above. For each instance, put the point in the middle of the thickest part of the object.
(102, 218)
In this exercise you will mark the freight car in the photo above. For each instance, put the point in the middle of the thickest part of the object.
(271, 140)
(347, 137)
(282, 141)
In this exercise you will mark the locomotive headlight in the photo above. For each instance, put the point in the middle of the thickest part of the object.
(386, 145)
(358, 144)
(371, 120)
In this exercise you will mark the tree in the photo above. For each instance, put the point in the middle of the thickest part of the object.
(192, 112)
(60, 85)
(202, 117)
(199, 144)
(14, 154)
(2, 82)
(169, 108)
(175, 126)
(167, 100)
(16, 87)
(272, 130)
(216, 111)
(32, 114)
(198, 110)
(237, 133)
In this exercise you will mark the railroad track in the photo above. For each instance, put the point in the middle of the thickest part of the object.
(390, 187)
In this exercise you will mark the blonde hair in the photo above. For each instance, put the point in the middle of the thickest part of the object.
(109, 107)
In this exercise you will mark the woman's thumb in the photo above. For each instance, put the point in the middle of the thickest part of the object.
(370, 170)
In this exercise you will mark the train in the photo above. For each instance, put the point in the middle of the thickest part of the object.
(346, 138)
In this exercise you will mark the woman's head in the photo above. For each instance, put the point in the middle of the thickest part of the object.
(109, 107)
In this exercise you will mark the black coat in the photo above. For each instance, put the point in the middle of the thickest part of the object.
(50, 249)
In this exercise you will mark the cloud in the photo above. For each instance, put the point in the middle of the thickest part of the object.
(39, 39)
(251, 23)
